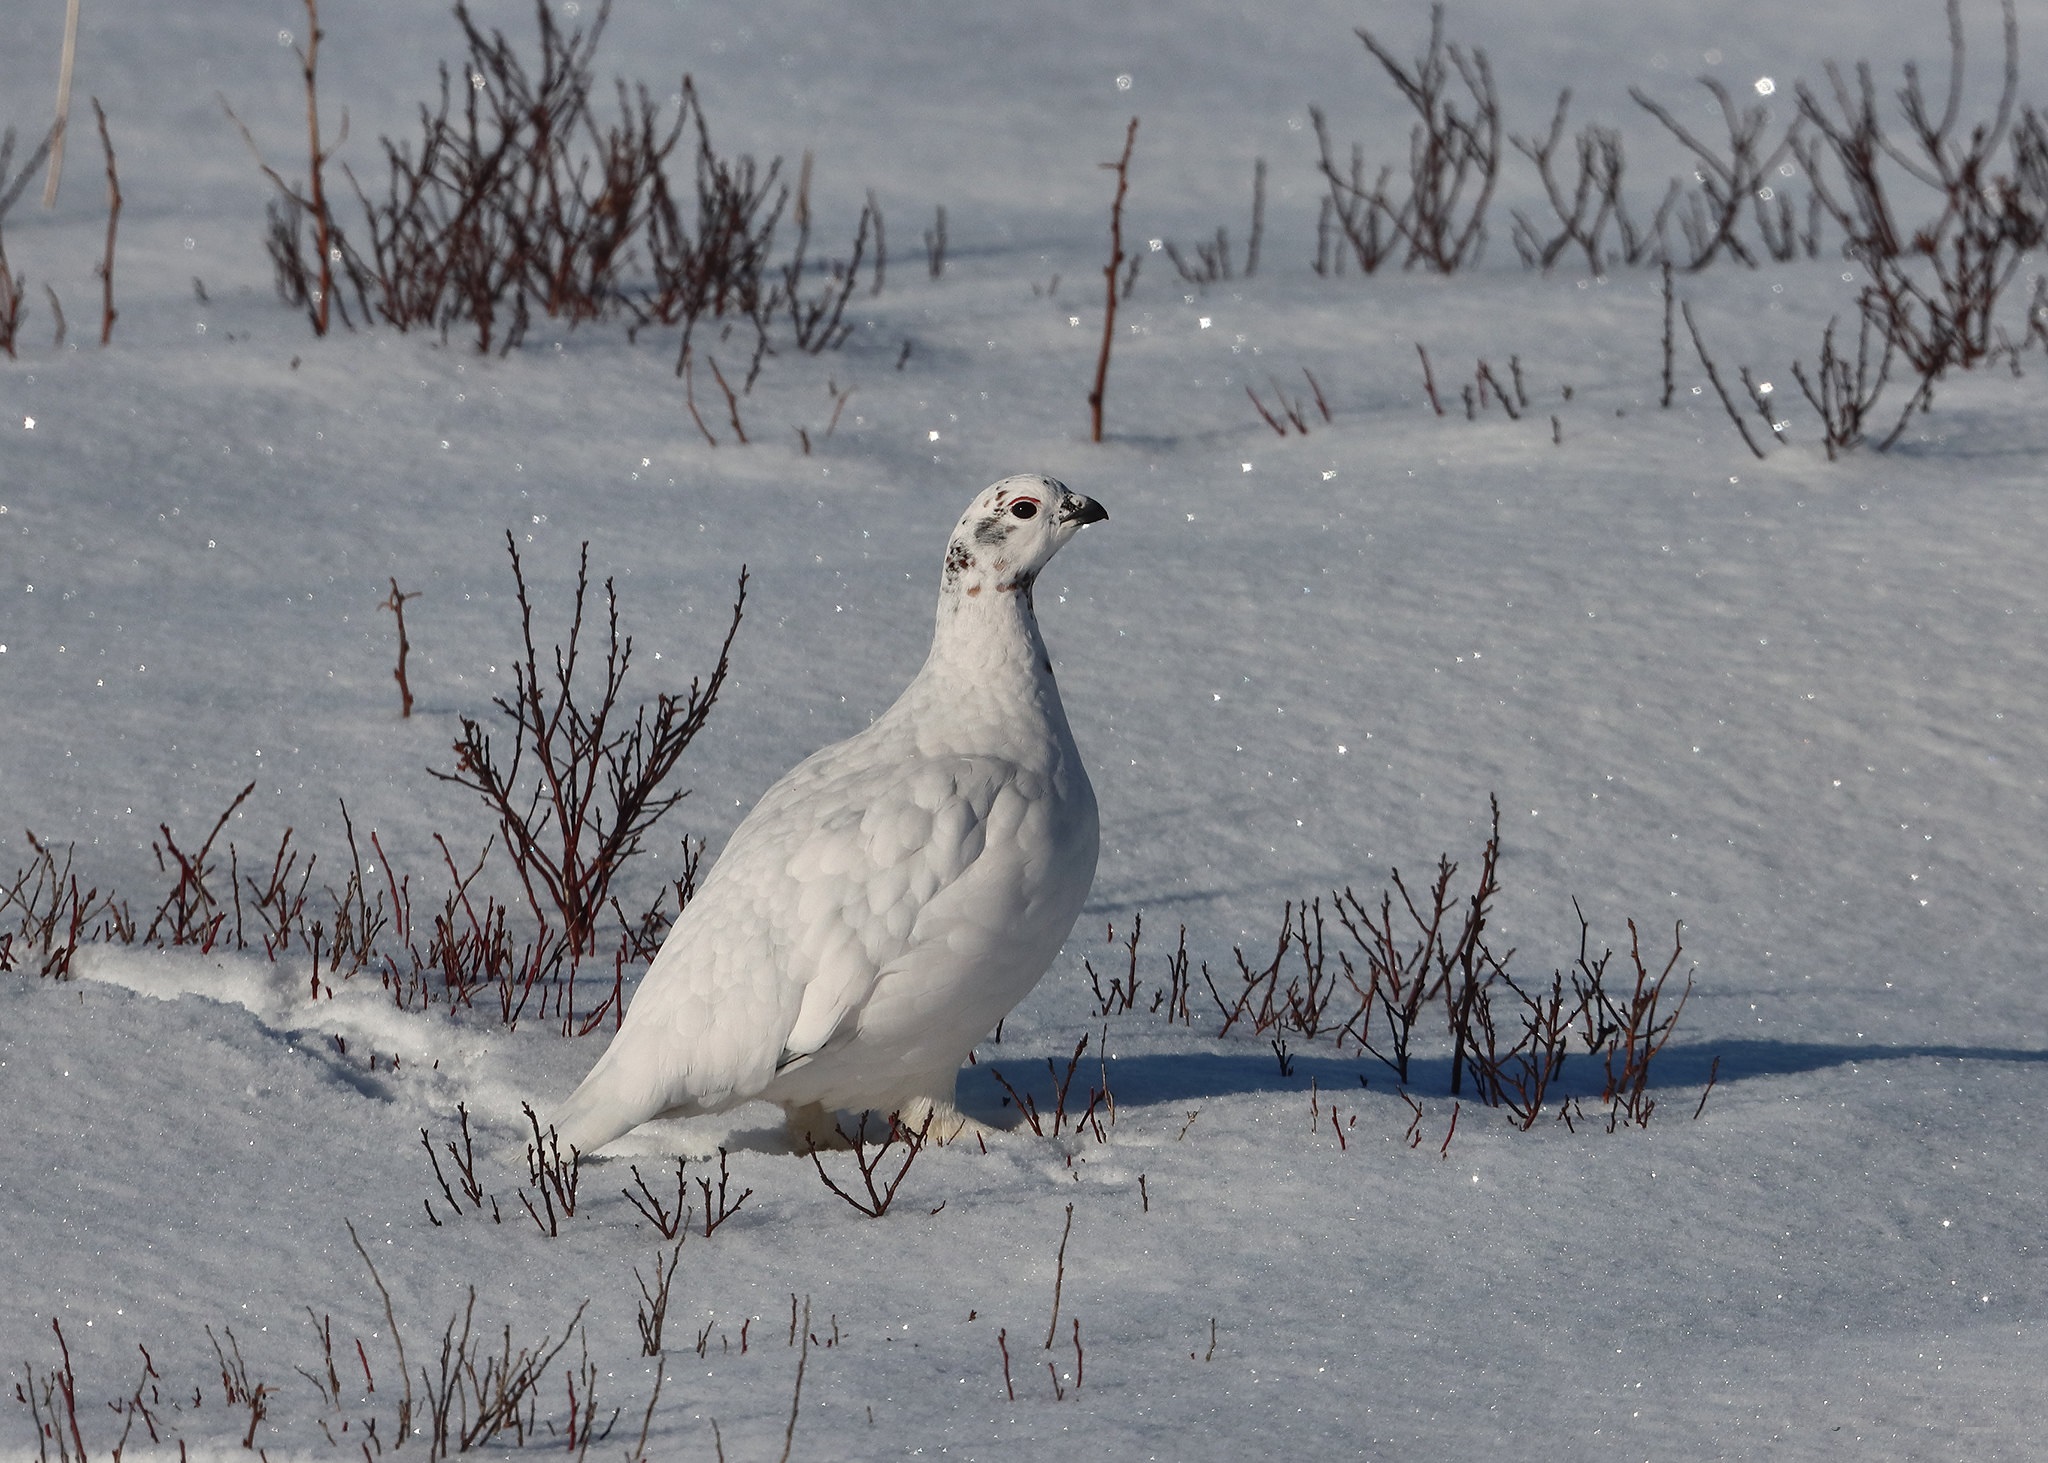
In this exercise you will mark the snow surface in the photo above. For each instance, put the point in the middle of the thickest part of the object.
(1797, 705)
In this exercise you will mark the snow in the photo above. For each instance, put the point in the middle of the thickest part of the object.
(1795, 704)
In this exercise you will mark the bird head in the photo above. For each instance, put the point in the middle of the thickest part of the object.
(1009, 532)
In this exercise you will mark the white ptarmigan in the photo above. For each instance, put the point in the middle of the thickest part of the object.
(889, 899)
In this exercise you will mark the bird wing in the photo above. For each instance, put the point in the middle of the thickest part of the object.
(819, 889)
(868, 876)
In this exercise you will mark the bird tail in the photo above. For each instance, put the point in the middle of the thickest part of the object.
(603, 1107)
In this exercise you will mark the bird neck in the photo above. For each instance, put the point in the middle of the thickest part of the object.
(988, 662)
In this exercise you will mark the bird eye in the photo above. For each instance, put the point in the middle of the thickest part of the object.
(1023, 508)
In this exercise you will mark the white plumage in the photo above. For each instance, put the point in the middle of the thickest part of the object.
(892, 896)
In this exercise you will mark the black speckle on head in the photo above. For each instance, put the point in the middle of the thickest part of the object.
(991, 531)
(958, 561)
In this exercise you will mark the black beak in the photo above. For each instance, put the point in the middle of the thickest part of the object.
(1077, 510)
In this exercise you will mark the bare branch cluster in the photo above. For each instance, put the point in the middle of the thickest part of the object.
(1586, 207)
(468, 1190)
(1729, 188)
(1439, 220)
(1123, 992)
(1293, 412)
(582, 786)
(53, 916)
(880, 1186)
(1418, 976)
(554, 1178)
(1097, 1117)
(1934, 285)
(13, 287)
(653, 1312)
(1841, 394)
(1934, 288)
(477, 1395)
(516, 201)
(672, 1221)
(236, 1390)
(1212, 263)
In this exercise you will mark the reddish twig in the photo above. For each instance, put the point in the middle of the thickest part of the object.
(396, 604)
(1059, 1280)
(106, 269)
(1429, 380)
(1121, 167)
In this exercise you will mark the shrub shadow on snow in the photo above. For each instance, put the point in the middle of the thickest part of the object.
(1743, 1058)
(1187, 1076)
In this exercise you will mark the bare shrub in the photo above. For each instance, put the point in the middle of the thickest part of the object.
(53, 916)
(818, 324)
(358, 915)
(279, 900)
(653, 1312)
(582, 786)
(583, 1426)
(721, 1206)
(1627, 1028)
(1935, 286)
(1303, 1006)
(106, 266)
(1174, 996)
(1520, 1078)
(935, 244)
(880, 1186)
(1062, 1118)
(1841, 394)
(1059, 1279)
(192, 913)
(553, 1177)
(496, 216)
(1212, 262)
(1586, 207)
(1123, 990)
(134, 1407)
(1720, 389)
(468, 1190)
(1729, 186)
(716, 264)
(52, 1400)
(516, 201)
(306, 283)
(479, 954)
(1453, 165)
(1420, 957)
(1402, 973)
(1293, 412)
(396, 604)
(671, 1222)
(236, 1389)
(1486, 390)
(1169, 999)
(13, 286)
(476, 1396)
